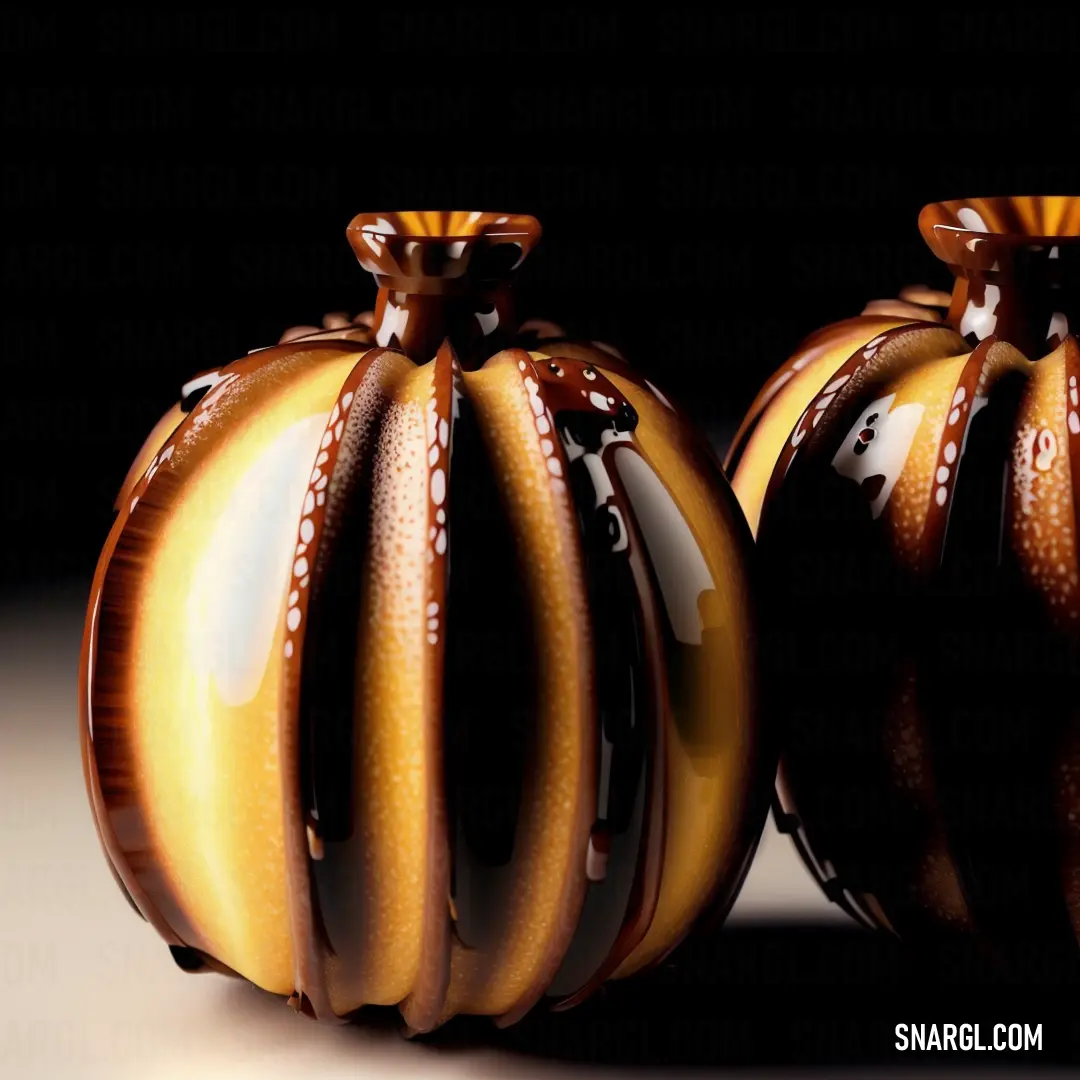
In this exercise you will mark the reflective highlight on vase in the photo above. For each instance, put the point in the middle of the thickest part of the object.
(919, 582)
(425, 680)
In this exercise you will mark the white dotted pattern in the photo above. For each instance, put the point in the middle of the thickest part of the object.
(316, 496)
(438, 457)
(541, 413)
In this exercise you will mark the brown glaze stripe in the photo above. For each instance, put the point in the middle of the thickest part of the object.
(645, 891)
(840, 392)
(990, 359)
(810, 349)
(301, 840)
(567, 386)
(964, 405)
(603, 358)
(1072, 416)
(121, 873)
(587, 352)
(422, 1008)
(595, 354)
(837, 329)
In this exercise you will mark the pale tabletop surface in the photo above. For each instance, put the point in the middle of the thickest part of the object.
(92, 992)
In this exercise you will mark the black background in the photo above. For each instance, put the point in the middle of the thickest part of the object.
(713, 185)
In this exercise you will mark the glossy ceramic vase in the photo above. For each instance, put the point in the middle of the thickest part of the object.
(915, 472)
(419, 663)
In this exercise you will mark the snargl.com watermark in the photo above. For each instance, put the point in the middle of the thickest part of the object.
(944, 1037)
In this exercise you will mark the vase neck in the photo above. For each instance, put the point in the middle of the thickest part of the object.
(477, 323)
(443, 275)
(1017, 267)
(1024, 305)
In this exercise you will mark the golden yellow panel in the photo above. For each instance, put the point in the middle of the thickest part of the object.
(206, 677)
(809, 372)
(1042, 523)
(556, 812)
(709, 770)
(391, 767)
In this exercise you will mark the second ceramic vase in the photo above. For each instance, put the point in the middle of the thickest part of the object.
(913, 475)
